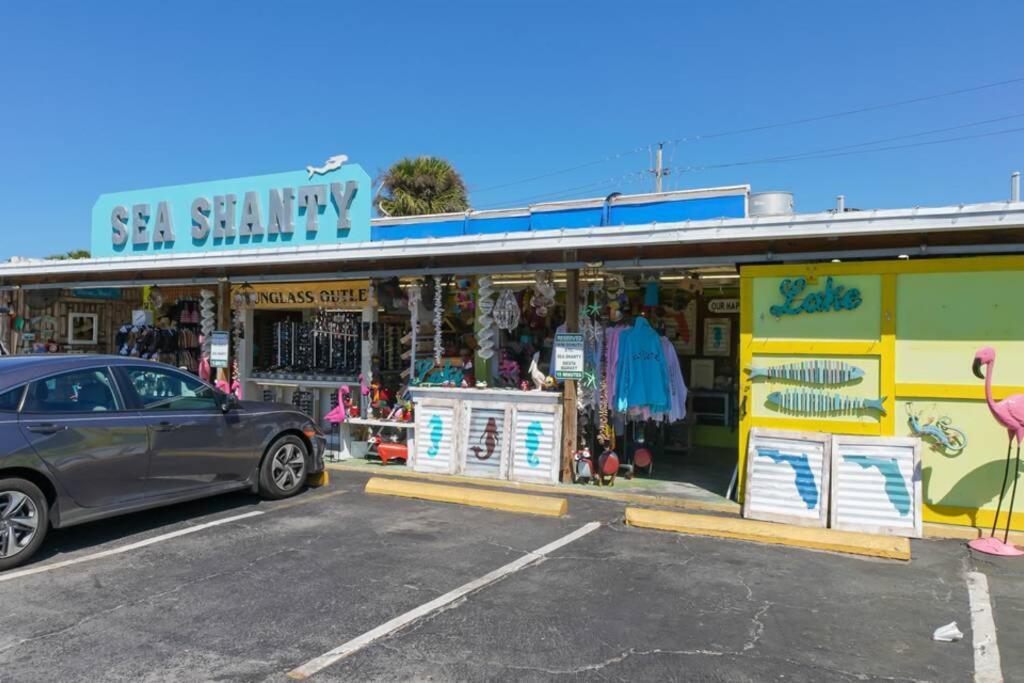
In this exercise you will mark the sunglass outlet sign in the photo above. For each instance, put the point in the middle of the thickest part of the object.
(318, 206)
(343, 295)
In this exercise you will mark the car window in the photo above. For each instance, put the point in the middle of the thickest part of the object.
(80, 391)
(10, 399)
(161, 389)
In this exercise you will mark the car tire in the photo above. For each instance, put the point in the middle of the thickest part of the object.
(22, 504)
(284, 469)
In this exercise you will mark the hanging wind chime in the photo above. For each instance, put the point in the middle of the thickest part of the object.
(415, 298)
(485, 306)
(438, 319)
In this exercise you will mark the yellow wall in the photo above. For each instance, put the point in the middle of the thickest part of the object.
(915, 335)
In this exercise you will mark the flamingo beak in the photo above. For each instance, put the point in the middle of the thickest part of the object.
(977, 369)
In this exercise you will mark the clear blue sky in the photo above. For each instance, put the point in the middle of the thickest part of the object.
(107, 96)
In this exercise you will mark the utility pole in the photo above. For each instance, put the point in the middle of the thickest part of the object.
(659, 169)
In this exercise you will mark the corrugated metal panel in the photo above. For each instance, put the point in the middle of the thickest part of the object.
(873, 486)
(534, 451)
(435, 438)
(787, 480)
(680, 210)
(485, 443)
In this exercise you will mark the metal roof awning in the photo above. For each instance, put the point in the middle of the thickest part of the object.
(948, 231)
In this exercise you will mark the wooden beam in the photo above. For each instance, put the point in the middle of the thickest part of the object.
(569, 412)
(224, 322)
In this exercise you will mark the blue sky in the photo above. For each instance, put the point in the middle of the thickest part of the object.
(100, 97)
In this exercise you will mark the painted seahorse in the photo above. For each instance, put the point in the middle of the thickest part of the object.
(533, 434)
(895, 484)
(803, 478)
(435, 435)
(489, 438)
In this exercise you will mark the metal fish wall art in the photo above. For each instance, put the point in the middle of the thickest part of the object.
(811, 372)
(817, 401)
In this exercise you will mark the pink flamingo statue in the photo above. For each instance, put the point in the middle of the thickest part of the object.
(337, 415)
(1010, 413)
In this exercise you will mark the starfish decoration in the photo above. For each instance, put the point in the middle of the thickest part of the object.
(592, 310)
(589, 379)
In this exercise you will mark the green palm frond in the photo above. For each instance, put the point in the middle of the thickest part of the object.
(422, 185)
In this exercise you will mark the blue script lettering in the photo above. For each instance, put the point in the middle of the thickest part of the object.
(832, 298)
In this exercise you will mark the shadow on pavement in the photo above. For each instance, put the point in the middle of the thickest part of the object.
(100, 532)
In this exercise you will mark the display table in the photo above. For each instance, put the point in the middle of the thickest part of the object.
(494, 433)
(349, 448)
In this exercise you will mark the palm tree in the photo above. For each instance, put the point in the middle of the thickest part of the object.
(73, 254)
(424, 185)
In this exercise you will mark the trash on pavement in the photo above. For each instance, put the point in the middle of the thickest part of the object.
(948, 633)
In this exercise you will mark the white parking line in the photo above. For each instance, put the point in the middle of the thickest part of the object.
(987, 668)
(7, 576)
(387, 628)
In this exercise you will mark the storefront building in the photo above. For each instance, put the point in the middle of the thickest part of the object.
(356, 318)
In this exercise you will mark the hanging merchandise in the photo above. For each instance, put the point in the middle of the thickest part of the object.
(485, 306)
(463, 296)
(415, 299)
(155, 299)
(506, 311)
(543, 293)
(207, 326)
(617, 299)
(438, 322)
(641, 376)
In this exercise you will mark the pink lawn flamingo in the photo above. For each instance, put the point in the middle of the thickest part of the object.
(1010, 413)
(337, 415)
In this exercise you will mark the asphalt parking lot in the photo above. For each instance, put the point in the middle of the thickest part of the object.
(257, 596)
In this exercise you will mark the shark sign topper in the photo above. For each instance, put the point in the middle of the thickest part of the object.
(332, 164)
(326, 204)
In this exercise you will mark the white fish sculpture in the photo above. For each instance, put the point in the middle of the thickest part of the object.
(817, 401)
(332, 164)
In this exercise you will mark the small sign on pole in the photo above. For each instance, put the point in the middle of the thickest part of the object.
(567, 359)
(219, 344)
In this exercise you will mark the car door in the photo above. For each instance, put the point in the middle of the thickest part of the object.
(193, 443)
(82, 429)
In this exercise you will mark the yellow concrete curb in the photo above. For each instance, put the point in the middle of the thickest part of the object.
(319, 479)
(679, 502)
(848, 542)
(482, 498)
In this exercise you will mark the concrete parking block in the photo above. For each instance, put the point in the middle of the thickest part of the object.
(546, 506)
(848, 542)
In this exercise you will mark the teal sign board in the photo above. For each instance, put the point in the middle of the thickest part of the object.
(797, 300)
(322, 205)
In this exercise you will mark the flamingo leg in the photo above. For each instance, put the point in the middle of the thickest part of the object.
(1009, 514)
(1002, 489)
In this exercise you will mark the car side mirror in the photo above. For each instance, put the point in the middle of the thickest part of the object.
(229, 402)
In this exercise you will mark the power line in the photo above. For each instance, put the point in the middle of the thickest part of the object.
(907, 136)
(1006, 131)
(551, 196)
(752, 129)
(850, 112)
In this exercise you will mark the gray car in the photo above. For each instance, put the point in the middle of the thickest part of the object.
(88, 437)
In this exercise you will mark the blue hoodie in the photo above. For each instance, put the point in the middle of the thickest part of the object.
(641, 376)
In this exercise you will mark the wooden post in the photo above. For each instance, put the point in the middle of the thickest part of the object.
(224, 320)
(572, 324)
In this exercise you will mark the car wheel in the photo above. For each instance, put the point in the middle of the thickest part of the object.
(283, 472)
(24, 521)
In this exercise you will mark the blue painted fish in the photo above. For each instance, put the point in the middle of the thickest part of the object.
(817, 401)
(811, 372)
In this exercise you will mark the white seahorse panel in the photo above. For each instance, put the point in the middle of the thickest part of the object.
(435, 438)
(485, 442)
(536, 446)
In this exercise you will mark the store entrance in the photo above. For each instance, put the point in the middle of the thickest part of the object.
(690, 449)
